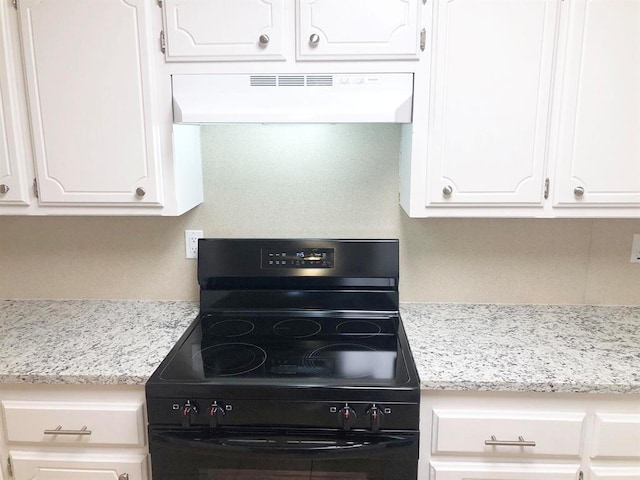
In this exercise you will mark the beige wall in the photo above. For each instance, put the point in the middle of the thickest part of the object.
(320, 181)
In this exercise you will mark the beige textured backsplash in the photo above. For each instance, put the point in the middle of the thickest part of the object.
(320, 181)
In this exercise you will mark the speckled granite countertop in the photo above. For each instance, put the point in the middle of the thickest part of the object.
(528, 348)
(456, 346)
(88, 341)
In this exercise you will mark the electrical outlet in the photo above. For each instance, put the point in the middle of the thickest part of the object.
(191, 242)
(635, 249)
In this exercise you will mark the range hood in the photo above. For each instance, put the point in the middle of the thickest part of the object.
(292, 98)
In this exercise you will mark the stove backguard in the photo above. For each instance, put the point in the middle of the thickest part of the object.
(255, 274)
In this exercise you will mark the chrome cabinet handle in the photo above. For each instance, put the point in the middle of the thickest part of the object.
(314, 39)
(59, 431)
(123, 476)
(264, 39)
(578, 191)
(140, 192)
(447, 191)
(4, 189)
(521, 442)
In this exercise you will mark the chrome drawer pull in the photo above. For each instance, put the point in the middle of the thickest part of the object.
(60, 431)
(521, 442)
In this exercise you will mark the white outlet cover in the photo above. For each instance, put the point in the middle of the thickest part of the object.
(191, 242)
(635, 249)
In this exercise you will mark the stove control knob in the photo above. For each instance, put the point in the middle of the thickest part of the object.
(347, 417)
(189, 410)
(216, 414)
(374, 417)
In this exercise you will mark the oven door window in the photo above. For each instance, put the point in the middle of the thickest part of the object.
(234, 455)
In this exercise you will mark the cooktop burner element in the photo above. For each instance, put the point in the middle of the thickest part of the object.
(297, 328)
(232, 359)
(231, 328)
(359, 328)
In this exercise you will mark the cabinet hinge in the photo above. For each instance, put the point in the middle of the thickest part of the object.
(163, 44)
(15, 4)
(546, 188)
(9, 467)
(35, 188)
(423, 39)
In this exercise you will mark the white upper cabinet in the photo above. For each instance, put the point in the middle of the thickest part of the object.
(532, 110)
(343, 29)
(599, 138)
(250, 30)
(89, 85)
(224, 30)
(490, 94)
(13, 179)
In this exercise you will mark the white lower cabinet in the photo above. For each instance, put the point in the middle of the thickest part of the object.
(615, 473)
(469, 471)
(529, 436)
(26, 465)
(73, 433)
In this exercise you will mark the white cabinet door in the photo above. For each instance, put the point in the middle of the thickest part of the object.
(599, 141)
(353, 29)
(497, 471)
(13, 181)
(616, 435)
(615, 473)
(490, 101)
(224, 30)
(90, 90)
(34, 465)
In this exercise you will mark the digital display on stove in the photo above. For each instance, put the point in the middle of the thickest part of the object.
(298, 258)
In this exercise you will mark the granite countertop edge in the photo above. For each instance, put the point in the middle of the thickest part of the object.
(457, 347)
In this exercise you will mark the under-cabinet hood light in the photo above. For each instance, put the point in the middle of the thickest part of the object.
(309, 98)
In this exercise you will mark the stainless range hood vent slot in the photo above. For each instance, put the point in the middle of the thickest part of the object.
(262, 80)
(291, 81)
(319, 80)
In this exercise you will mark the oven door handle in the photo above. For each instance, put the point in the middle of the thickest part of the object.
(283, 444)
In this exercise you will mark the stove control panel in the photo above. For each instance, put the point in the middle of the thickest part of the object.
(298, 258)
(344, 415)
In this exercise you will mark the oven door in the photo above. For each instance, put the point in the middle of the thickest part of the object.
(206, 454)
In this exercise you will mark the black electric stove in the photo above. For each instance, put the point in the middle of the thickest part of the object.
(296, 341)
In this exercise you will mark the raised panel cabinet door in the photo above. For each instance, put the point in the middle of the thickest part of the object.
(599, 139)
(615, 473)
(490, 100)
(13, 181)
(222, 30)
(617, 435)
(501, 471)
(88, 70)
(355, 29)
(32, 465)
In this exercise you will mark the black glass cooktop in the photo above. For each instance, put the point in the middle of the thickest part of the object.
(316, 349)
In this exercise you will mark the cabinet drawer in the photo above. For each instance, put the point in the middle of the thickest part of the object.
(617, 435)
(507, 433)
(78, 423)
